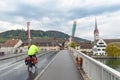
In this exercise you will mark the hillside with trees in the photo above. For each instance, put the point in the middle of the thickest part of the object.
(22, 34)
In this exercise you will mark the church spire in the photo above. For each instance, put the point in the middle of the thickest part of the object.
(96, 32)
(96, 29)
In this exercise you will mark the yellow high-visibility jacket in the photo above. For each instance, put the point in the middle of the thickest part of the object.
(33, 50)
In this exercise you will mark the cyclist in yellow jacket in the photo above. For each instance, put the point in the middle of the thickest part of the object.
(33, 49)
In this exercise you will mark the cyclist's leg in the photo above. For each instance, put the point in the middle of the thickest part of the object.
(31, 58)
(34, 55)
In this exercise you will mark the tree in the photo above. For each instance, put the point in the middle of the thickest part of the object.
(112, 50)
(73, 45)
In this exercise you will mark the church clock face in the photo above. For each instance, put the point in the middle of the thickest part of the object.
(96, 35)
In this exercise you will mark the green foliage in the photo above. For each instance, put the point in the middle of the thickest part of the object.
(73, 45)
(22, 34)
(112, 50)
(2, 40)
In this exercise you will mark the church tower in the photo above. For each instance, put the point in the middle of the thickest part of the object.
(96, 32)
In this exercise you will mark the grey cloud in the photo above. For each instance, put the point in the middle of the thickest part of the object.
(48, 9)
(88, 11)
(30, 12)
(52, 10)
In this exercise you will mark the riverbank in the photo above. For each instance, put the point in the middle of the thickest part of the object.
(104, 57)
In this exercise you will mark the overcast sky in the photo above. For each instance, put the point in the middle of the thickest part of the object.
(60, 14)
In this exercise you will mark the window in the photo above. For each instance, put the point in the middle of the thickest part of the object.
(104, 46)
(97, 45)
(101, 43)
(98, 49)
(103, 49)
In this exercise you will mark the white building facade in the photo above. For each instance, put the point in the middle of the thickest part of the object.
(11, 46)
(99, 48)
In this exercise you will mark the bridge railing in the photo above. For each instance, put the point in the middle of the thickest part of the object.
(96, 70)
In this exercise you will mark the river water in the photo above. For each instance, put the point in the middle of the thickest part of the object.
(113, 63)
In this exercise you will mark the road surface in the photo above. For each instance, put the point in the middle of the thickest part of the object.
(10, 70)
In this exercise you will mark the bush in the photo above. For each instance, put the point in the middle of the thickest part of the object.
(73, 45)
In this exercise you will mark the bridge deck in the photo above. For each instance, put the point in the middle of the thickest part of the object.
(62, 68)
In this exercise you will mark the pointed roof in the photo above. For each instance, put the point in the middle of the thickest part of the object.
(84, 45)
(11, 43)
(96, 29)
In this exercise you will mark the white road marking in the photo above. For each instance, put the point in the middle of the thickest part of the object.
(38, 76)
(9, 71)
(9, 66)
